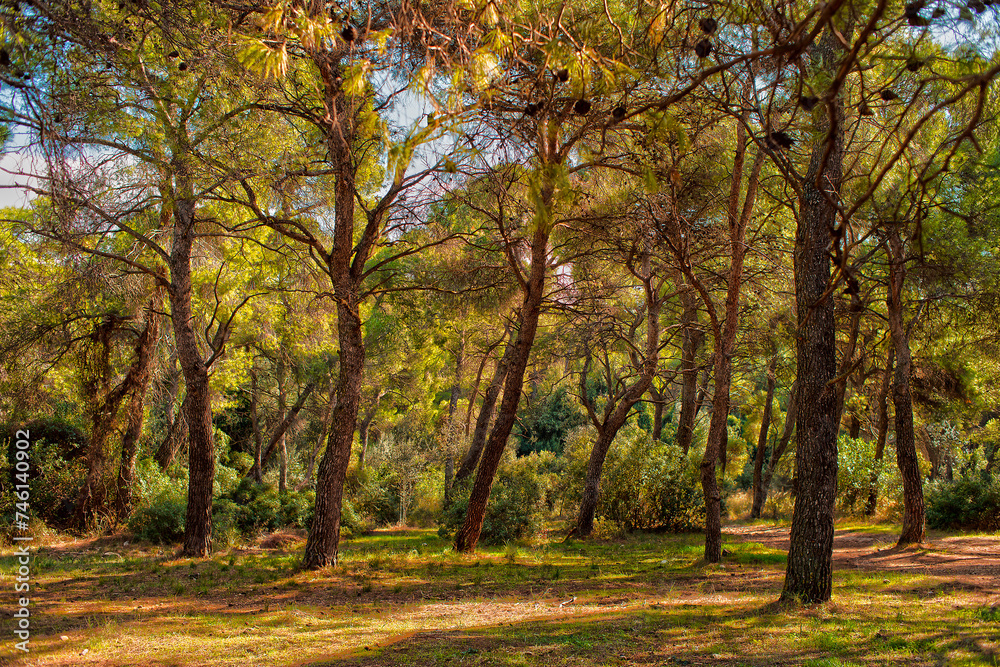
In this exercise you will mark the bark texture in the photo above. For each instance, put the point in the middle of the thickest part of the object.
(902, 401)
(471, 458)
(809, 573)
(693, 337)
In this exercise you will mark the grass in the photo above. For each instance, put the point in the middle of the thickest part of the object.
(406, 598)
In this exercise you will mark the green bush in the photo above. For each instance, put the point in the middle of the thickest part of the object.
(649, 485)
(374, 495)
(517, 501)
(253, 508)
(161, 519)
(856, 467)
(972, 503)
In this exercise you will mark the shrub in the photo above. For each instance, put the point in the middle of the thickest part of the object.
(972, 503)
(648, 485)
(160, 520)
(517, 501)
(856, 466)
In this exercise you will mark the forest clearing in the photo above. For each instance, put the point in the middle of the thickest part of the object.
(403, 597)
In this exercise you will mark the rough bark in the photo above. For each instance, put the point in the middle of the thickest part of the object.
(881, 430)
(138, 382)
(198, 401)
(779, 451)
(906, 448)
(104, 414)
(765, 426)
(809, 572)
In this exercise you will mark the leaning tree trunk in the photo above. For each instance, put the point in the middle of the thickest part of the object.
(881, 431)
(809, 572)
(326, 421)
(615, 415)
(257, 470)
(906, 449)
(471, 458)
(765, 426)
(138, 382)
(468, 535)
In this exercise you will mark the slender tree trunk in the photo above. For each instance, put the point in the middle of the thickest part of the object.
(658, 399)
(452, 435)
(617, 408)
(881, 430)
(138, 383)
(765, 425)
(779, 451)
(468, 535)
(725, 347)
(286, 423)
(173, 442)
(346, 276)
(906, 448)
(693, 337)
(471, 458)
(282, 440)
(327, 420)
(809, 572)
(257, 471)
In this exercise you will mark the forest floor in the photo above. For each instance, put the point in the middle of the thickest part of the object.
(403, 597)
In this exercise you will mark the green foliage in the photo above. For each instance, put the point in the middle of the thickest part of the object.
(971, 503)
(856, 470)
(374, 495)
(161, 519)
(57, 470)
(517, 501)
(545, 423)
(252, 508)
(650, 485)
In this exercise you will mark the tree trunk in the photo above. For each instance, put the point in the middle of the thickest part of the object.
(471, 458)
(468, 535)
(617, 408)
(881, 431)
(906, 448)
(765, 425)
(257, 471)
(693, 337)
(779, 451)
(198, 402)
(138, 383)
(282, 440)
(286, 423)
(809, 573)
(658, 399)
(103, 416)
(452, 435)
(725, 346)
(327, 420)
(346, 276)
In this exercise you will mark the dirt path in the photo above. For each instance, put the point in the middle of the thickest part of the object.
(971, 562)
